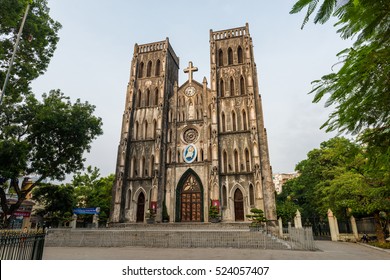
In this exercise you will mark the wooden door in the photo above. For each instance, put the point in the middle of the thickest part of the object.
(238, 205)
(191, 201)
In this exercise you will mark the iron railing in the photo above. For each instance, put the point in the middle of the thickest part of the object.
(18, 245)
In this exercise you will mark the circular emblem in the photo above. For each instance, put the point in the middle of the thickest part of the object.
(189, 153)
(190, 135)
(190, 91)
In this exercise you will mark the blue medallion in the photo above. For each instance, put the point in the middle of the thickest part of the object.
(189, 153)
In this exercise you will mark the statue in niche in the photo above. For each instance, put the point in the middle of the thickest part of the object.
(257, 171)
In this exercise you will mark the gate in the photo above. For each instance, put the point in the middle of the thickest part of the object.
(320, 227)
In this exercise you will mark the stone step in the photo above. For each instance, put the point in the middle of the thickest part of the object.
(181, 238)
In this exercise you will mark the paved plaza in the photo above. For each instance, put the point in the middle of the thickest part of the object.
(327, 251)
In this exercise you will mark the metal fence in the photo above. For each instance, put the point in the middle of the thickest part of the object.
(17, 245)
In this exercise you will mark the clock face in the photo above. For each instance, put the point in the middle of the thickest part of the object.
(190, 91)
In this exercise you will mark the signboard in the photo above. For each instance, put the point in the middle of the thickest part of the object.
(88, 211)
(22, 214)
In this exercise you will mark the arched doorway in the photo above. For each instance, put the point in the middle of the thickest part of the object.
(238, 205)
(189, 199)
(141, 208)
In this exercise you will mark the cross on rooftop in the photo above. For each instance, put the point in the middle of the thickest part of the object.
(189, 70)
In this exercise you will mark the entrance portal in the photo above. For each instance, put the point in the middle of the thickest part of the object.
(238, 205)
(191, 200)
(140, 208)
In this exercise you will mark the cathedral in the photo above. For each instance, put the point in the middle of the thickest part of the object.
(185, 148)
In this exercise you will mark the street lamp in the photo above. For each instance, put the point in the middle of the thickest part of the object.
(14, 53)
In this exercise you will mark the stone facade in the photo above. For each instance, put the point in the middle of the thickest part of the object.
(192, 146)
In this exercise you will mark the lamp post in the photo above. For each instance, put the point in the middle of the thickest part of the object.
(14, 53)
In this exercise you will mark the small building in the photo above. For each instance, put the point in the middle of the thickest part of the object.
(281, 178)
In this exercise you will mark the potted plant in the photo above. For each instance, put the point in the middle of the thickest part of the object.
(214, 216)
(150, 215)
(257, 218)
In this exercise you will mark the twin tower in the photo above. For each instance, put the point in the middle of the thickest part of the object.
(186, 147)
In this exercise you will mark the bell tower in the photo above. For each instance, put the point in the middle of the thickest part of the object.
(140, 170)
(241, 154)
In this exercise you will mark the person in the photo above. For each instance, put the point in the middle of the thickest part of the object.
(365, 238)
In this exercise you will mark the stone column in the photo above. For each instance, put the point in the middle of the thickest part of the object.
(95, 220)
(333, 227)
(354, 228)
(74, 221)
(280, 222)
(298, 220)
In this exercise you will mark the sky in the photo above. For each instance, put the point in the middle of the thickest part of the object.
(92, 62)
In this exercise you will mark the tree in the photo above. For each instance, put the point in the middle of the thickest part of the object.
(46, 138)
(57, 202)
(287, 202)
(37, 45)
(91, 190)
(360, 90)
(339, 176)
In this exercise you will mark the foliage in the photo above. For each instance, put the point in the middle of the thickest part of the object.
(87, 190)
(43, 138)
(339, 176)
(360, 90)
(91, 190)
(287, 202)
(47, 137)
(151, 213)
(257, 217)
(57, 202)
(214, 212)
(37, 45)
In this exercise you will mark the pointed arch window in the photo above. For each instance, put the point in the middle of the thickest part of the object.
(242, 86)
(136, 128)
(244, 121)
(140, 70)
(236, 166)
(230, 56)
(220, 57)
(178, 156)
(239, 54)
(156, 97)
(145, 129)
(225, 160)
(223, 124)
(139, 96)
(232, 91)
(251, 195)
(154, 129)
(151, 165)
(128, 198)
(224, 196)
(149, 69)
(157, 70)
(221, 88)
(133, 171)
(247, 161)
(147, 97)
(234, 121)
(142, 167)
